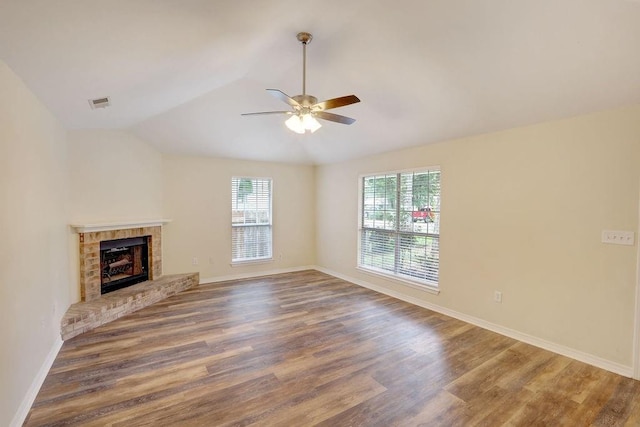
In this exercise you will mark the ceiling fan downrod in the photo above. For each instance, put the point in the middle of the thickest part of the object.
(304, 38)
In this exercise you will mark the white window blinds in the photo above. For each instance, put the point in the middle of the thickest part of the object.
(400, 225)
(251, 234)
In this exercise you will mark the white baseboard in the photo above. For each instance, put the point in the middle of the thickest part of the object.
(256, 274)
(30, 396)
(590, 359)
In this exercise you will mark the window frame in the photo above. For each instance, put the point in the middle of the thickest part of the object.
(424, 285)
(256, 260)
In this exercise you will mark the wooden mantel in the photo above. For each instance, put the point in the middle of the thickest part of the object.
(123, 225)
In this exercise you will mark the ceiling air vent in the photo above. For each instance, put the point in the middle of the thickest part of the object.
(99, 103)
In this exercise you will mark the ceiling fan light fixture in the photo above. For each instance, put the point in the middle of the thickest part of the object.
(310, 123)
(295, 124)
(302, 123)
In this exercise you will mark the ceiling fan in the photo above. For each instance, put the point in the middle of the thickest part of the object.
(306, 108)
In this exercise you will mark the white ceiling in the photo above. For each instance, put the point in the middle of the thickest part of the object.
(180, 72)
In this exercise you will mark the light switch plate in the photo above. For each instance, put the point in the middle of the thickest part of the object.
(616, 237)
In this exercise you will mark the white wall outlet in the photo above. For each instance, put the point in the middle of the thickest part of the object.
(616, 237)
(497, 296)
(212, 260)
(194, 261)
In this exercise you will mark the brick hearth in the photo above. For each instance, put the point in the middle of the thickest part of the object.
(85, 316)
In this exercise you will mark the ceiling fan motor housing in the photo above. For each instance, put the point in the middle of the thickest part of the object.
(306, 100)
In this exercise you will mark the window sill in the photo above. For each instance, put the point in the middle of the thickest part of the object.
(251, 262)
(432, 289)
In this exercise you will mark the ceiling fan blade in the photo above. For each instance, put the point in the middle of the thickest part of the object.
(334, 117)
(266, 112)
(284, 97)
(336, 102)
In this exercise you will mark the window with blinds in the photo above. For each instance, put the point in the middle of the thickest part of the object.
(400, 225)
(251, 219)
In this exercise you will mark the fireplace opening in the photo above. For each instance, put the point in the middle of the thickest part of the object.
(123, 262)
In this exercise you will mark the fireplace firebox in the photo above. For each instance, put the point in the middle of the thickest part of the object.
(123, 262)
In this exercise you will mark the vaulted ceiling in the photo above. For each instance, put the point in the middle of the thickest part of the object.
(180, 72)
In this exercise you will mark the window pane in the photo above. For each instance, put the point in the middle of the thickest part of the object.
(251, 218)
(377, 249)
(418, 257)
(406, 221)
(251, 242)
(433, 226)
(251, 201)
(379, 198)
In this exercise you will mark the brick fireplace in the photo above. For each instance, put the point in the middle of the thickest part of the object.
(90, 263)
(97, 308)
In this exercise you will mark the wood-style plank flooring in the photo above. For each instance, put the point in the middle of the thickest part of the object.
(304, 349)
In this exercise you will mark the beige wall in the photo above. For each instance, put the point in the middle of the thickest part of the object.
(522, 213)
(34, 265)
(197, 197)
(115, 176)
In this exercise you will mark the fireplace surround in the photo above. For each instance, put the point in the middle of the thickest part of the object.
(90, 237)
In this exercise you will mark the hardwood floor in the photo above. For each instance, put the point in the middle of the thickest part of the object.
(304, 349)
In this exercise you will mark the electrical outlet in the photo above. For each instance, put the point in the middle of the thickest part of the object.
(194, 261)
(616, 237)
(497, 296)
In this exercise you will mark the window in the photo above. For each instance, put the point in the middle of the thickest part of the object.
(400, 225)
(250, 219)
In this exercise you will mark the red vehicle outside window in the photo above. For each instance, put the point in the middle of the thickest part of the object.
(424, 214)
